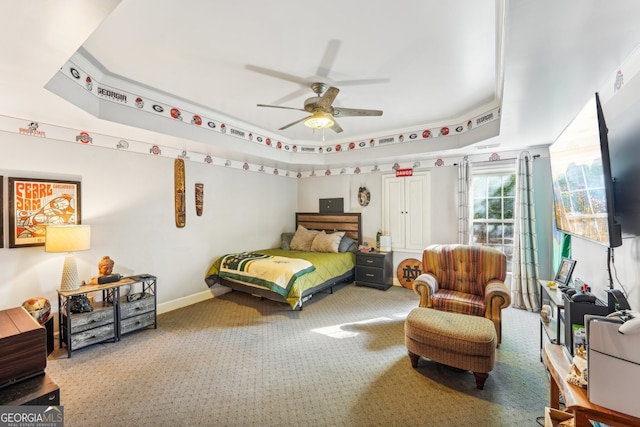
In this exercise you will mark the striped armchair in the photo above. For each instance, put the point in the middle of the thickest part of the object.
(464, 279)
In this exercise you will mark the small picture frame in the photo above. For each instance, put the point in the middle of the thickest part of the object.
(565, 269)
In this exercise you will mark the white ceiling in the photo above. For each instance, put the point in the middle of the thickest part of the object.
(424, 63)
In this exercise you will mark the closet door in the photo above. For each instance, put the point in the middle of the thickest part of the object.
(405, 212)
(393, 210)
(415, 217)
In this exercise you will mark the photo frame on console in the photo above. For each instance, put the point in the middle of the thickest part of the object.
(565, 270)
(35, 203)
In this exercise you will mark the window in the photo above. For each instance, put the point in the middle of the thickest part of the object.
(493, 202)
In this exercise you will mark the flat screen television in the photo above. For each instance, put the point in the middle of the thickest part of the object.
(623, 121)
(583, 188)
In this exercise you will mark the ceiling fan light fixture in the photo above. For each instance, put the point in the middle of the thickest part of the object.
(319, 120)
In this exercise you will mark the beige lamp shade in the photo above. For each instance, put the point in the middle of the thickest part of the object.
(68, 238)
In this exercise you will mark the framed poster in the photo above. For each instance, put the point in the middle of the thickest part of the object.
(36, 203)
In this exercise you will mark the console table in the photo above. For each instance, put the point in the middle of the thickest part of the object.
(110, 318)
(575, 398)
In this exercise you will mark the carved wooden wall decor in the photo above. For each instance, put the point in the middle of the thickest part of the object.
(179, 193)
(199, 198)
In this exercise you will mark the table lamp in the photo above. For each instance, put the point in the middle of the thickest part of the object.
(68, 238)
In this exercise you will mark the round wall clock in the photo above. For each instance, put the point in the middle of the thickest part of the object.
(364, 197)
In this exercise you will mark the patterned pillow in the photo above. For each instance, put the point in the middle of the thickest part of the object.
(303, 239)
(324, 242)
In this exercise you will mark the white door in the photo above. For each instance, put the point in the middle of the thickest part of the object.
(405, 214)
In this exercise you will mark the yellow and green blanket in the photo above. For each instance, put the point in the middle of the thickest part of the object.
(270, 271)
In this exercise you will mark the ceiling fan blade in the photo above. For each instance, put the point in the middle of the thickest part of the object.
(276, 74)
(293, 95)
(336, 127)
(294, 123)
(330, 54)
(354, 112)
(279, 106)
(328, 97)
(361, 82)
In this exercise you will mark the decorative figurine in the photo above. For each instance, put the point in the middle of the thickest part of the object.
(105, 268)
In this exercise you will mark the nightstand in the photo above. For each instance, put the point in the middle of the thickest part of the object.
(374, 269)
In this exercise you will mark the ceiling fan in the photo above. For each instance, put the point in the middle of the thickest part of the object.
(323, 113)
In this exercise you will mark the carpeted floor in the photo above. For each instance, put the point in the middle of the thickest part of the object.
(237, 360)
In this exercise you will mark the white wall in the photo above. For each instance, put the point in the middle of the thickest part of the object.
(591, 267)
(442, 204)
(128, 200)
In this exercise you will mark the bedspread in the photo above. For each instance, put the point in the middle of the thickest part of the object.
(271, 271)
(328, 266)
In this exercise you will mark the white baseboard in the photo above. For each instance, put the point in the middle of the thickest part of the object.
(175, 304)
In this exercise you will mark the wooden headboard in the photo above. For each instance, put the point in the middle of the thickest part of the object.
(350, 223)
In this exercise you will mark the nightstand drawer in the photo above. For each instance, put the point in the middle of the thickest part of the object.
(137, 322)
(370, 260)
(133, 308)
(93, 336)
(83, 321)
(369, 274)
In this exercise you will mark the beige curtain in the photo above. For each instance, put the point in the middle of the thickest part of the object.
(524, 283)
(464, 188)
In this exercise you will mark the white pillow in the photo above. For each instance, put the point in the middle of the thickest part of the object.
(324, 242)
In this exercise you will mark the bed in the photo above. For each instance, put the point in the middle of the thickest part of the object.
(304, 272)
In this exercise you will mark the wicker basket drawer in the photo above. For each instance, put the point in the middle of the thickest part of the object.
(92, 336)
(137, 322)
(133, 308)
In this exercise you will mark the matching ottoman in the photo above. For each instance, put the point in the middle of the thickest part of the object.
(458, 340)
